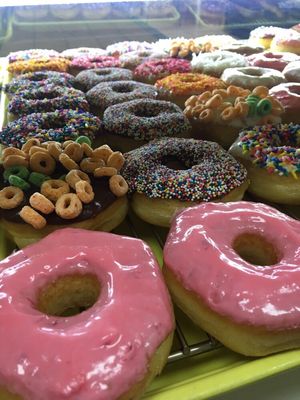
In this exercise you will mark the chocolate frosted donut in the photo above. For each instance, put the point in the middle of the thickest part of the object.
(33, 80)
(47, 98)
(60, 125)
(87, 79)
(107, 94)
(146, 119)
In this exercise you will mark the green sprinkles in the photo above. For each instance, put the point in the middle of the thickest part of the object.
(210, 172)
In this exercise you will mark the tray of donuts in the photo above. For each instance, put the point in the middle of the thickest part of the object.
(64, 204)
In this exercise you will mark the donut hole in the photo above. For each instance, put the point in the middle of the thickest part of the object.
(102, 72)
(146, 113)
(69, 295)
(122, 88)
(173, 162)
(253, 72)
(255, 249)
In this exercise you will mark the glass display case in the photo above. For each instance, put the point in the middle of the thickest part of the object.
(198, 367)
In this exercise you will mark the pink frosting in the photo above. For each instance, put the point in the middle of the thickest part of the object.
(161, 68)
(292, 71)
(100, 353)
(272, 60)
(89, 62)
(199, 252)
(288, 94)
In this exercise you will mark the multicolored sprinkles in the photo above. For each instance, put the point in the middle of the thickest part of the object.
(60, 125)
(273, 147)
(211, 172)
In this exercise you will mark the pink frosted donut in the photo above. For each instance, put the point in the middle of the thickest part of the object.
(264, 35)
(292, 72)
(289, 96)
(151, 71)
(239, 263)
(100, 352)
(288, 41)
(89, 62)
(276, 61)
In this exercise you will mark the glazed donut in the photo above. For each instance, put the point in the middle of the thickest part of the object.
(228, 266)
(151, 71)
(250, 77)
(67, 184)
(271, 155)
(216, 62)
(292, 72)
(219, 115)
(32, 54)
(85, 80)
(168, 174)
(177, 88)
(142, 120)
(89, 62)
(82, 52)
(287, 42)
(264, 35)
(243, 47)
(59, 64)
(107, 94)
(134, 58)
(276, 61)
(119, 48)
(33, 80)
(288, 94)
(47, 98)
(59, 125)
(135, 348)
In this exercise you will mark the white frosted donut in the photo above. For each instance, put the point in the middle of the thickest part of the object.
(292, 72)
(216, 62)
(250, 77)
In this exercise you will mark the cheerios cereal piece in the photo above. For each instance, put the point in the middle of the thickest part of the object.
(10, 197)
(12, 151)
(84, 191)
(105, 171)
(32, 217)
(74, 151)
(118, 185)
(90, 164)
(87, 150)
(13, 160)
(41, 203)
(68, 206)
(102, 152)
(75, 176)
(31, 142)
(42, 162)
(54, 149)
(116, 160)
(67, 162)
(54, 188)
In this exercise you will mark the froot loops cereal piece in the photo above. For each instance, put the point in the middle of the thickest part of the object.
(172, 173)
(151, 71)
(47, 98)
(272, 157)
(216, 62)
(229, 266)
(40, 64)
(59, 126)
(90, 78)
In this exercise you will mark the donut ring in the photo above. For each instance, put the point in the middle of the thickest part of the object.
(90, 78)
(89, 62)
(47, 98)
(276, 61)
(34, 80)
(250, 77)
(188, 171)
(60, 125)
(229, 267)
(145, 119)
(41, 64)
(216, 62)
(272, 158)
(137, 346)
(289, 41)
(107, 94)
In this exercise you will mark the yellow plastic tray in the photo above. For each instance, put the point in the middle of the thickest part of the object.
(204, 375)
